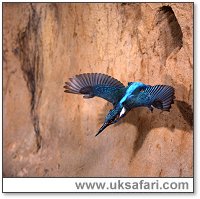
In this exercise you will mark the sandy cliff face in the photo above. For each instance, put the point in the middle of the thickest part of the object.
(49, 133)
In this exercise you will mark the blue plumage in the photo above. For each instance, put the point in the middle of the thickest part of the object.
(159, 96)
(110, 93)
(136, 94)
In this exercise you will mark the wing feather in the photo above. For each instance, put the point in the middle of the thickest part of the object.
(96, 84)
(161, 96)
(158, 96)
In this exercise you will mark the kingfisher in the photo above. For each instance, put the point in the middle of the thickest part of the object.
(123, 98)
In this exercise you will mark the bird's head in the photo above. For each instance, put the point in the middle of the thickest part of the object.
(112, 117)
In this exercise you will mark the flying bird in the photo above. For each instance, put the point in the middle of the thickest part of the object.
(135, 94)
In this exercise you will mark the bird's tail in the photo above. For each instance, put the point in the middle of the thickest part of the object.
(163, 96)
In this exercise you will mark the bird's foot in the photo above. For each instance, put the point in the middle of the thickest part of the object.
(87, 96)
(151, 108)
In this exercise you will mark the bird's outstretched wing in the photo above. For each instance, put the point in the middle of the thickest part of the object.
(159, 96)
(96, 84)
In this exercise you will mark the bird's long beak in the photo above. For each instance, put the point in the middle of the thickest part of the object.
(102, 128)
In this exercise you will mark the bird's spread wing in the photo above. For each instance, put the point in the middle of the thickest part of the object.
(96, 84)
(159, 96)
